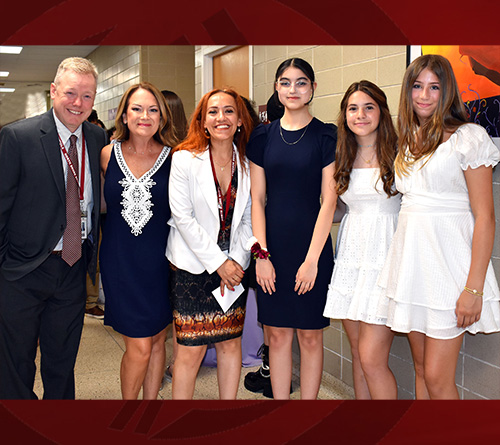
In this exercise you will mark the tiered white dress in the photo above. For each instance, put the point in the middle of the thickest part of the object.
(429, 258)
(363, 240)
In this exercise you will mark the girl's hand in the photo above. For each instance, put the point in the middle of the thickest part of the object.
(306, 277)
(265, 274)
(468, 309)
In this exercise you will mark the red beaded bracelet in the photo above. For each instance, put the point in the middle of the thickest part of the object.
(258, 252)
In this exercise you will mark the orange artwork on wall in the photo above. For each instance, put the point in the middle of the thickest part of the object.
(477, 70)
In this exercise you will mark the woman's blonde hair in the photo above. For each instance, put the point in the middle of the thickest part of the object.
(449, 115)
(165, 134)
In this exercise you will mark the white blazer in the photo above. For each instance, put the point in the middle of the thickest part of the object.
(195, 224)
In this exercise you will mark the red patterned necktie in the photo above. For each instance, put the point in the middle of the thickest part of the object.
(72, 238)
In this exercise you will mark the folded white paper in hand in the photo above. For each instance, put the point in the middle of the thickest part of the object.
(230, 296)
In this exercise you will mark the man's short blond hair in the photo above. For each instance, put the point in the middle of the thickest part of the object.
(79, 65)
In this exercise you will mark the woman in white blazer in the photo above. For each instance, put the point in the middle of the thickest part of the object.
(209, 194)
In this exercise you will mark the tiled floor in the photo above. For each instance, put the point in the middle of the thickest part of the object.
(98, 369)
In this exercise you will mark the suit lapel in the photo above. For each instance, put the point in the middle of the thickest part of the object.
(50, 144)
(205, 179)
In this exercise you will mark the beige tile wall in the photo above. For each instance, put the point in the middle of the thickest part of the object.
(118, 68)
(27, 101)
(167, 67)
(171, 68)
(336, 67)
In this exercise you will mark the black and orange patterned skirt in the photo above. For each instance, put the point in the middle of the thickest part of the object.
(198, 318)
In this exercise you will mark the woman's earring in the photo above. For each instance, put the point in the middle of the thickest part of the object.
(207, 134)
(239, 128)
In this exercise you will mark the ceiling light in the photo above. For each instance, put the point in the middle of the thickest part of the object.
(10, 49)
(7, 90)
(4, 73)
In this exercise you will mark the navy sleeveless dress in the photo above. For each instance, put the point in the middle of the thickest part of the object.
(134, 269)
(293, 184)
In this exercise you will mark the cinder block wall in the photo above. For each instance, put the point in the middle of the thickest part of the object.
(167, 67)
(171, 68)
(118, 68)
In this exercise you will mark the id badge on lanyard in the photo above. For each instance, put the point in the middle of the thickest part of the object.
(83, 220)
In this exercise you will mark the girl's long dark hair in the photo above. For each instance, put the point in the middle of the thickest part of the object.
(347, 147)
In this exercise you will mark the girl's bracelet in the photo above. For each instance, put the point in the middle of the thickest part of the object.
(473, 291)
(259, 252)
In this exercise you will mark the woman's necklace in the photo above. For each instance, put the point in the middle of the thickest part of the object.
(222, 167)
(368, 161)
(297, 141)
(148, 150)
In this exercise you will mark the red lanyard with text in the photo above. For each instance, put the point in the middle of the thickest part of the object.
(222, 213)
(72, 167)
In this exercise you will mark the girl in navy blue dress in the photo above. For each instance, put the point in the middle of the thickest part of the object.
(135, 273)
(293, 203)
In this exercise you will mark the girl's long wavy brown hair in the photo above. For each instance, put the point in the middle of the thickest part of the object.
(197, 140)
(347, 147)
(165, 134)
(449, 115)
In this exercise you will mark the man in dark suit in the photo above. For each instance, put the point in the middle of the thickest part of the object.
(49, 228)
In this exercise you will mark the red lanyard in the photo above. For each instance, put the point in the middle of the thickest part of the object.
(72, 167)
(222, 213)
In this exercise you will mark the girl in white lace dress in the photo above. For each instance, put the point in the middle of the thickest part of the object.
(364, 176)
(438, 276)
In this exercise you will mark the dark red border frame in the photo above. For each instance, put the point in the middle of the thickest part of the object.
(270, 22)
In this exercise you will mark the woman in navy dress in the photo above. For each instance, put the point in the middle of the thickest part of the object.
(291, 169)
(133, 265)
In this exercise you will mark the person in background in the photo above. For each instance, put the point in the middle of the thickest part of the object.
(180, 124)
(291, 169)
(135, 273)
(210, 226)
(111, 133)
(179, 119)
(49, 233)
(93, 117)
(364, 177)
(438, 279)
(92, 308)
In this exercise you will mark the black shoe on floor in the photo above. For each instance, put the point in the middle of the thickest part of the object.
(257, 381)
(260, 380)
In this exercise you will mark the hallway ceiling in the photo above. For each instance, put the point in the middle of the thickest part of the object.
(37, 64)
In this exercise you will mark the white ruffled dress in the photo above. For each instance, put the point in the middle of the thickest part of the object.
(429, 258)
(363, 240)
